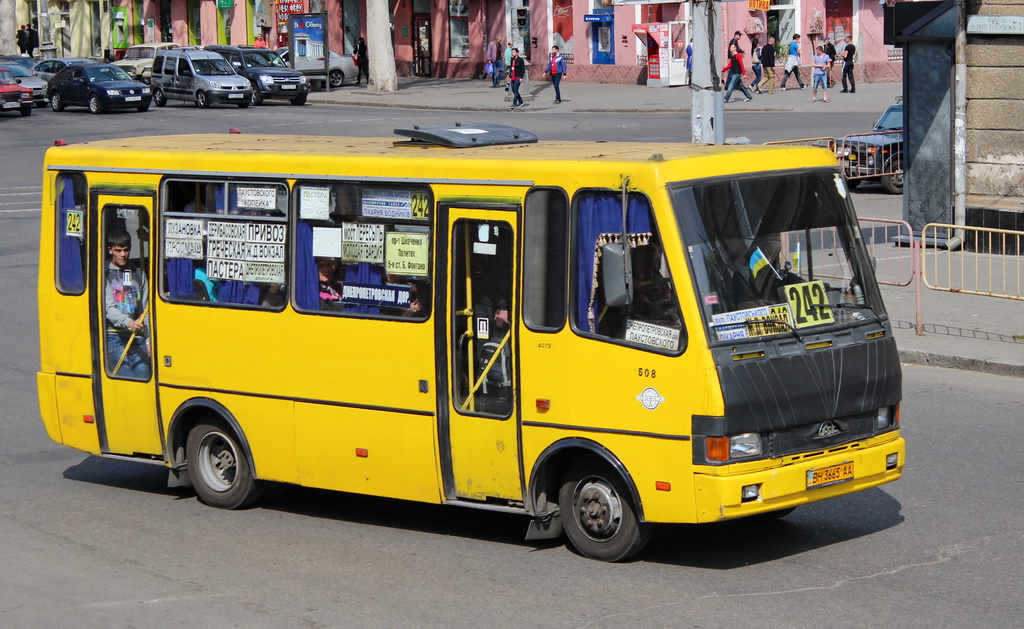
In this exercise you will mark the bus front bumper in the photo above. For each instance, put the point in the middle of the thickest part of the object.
(721, 496)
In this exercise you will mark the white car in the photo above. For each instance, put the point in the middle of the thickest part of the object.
(343, 67)
(138, 59)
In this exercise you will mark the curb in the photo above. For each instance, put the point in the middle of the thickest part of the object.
(946, 361)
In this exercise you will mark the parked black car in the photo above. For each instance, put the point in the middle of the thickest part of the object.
(877, 155)
(269, 74)
(98, 86)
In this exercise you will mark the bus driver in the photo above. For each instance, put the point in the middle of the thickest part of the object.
(125, 304)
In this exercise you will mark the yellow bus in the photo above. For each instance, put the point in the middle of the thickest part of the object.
(600, 336)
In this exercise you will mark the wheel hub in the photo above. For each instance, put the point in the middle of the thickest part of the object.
(599, 510)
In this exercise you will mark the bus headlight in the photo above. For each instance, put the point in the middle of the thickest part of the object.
(745, 445)
(884, 419)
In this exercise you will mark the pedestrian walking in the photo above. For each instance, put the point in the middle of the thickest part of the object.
(793, 63)
(494, 57)
(830, 50)
(849, 55)
(755, 65)
(818, 76)
(556, 68)
(689, 62)
(516, 72)
(363, 61)
(736, 72)
(33, 41)
(768, 65)
(21, 38)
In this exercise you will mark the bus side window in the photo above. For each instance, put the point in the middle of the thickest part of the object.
(652, 318)
(70, 198)
(546, 245)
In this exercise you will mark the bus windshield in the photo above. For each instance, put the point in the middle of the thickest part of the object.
(776, 255)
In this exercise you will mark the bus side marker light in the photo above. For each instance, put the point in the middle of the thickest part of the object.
(362, 453)
(717, 448)
(89, 419)
(749, 493)
(543, 404)
(661, 485)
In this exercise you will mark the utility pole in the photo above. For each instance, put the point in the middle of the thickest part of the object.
(707, 113)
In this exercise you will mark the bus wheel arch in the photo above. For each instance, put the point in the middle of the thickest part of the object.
(571, 463)
(207, 442)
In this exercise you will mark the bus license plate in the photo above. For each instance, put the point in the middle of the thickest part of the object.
(825, 476)
(289, 87)
(131, 99)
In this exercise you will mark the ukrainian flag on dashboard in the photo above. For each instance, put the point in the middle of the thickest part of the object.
(758, 261)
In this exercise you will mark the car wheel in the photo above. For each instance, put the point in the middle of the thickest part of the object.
(336, 78)
(257, 97)
(893, 184)
(56, 102)
(40, 105)
(94, 104)
(597, 512)
(299, 100)
(26, 111)
(159, 98)
(201, 100)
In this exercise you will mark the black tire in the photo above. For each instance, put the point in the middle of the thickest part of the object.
(243, 105)
(598, 514)
(219, 466)
(257, 97)
(336, 78)
(893, 184)
(56, 102)
(853, 183)
(299, 100)
(26, 111)
(40, 105)
(202, 100)
(95, 107)
(158, 97)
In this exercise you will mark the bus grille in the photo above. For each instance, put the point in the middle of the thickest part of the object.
(821, 435)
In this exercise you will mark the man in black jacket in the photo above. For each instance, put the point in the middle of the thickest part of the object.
(22, 38)
(849, 54)
(830, 50)
(768, 65)
(33, 41)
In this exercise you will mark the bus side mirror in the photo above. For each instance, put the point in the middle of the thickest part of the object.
(613, 275)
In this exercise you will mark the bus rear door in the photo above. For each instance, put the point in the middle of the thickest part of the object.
(482, 415)
(124, 369)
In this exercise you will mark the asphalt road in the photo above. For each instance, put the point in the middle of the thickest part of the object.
(90, 542)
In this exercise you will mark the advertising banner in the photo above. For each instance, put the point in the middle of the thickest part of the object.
(307, 43)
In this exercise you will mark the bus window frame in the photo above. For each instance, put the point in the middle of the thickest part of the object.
(163, 214)
(71, 175)
(567, 290)
(428, 223)
(684, 337)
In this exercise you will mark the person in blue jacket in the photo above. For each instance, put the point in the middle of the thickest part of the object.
(557, 70)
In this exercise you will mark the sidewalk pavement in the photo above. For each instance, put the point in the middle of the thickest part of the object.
(961, 331)
(478, 95)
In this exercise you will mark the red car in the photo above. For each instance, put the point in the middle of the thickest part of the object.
(12, 95)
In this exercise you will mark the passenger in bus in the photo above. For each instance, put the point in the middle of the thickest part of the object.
(274, 296)
(330, 286)
(126, 304)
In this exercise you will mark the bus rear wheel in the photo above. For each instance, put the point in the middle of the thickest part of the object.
(598, 516)
(219, 466)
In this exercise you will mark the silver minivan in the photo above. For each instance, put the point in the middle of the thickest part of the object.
(199, 76)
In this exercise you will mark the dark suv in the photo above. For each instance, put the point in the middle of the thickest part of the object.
(270, 76)
(877, 155)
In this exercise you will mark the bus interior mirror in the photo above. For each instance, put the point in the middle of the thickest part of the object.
(613, 275)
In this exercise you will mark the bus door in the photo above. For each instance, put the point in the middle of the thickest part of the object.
(482, 414)
(122, 325)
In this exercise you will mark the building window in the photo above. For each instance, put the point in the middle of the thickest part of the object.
(458, 28)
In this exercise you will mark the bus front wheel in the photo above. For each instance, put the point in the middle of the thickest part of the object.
(219, 467)
(598, 516)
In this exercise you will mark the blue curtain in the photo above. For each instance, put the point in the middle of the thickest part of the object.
(236, 292)
(179, 278)
(71, 273)
(601, 214)
(307, 284)
(364, 273)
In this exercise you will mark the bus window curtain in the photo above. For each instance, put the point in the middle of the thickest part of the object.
(307, 284)
(234, 291)
(70, 272)
(364, 273)
(601, 214)
(180, 273)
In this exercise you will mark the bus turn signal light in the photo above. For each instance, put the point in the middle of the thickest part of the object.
(661, 485)
(717, 448)
(89, 419)
(362, 453)
(543, 404)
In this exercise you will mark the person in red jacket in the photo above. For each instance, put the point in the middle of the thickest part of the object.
(736, 73)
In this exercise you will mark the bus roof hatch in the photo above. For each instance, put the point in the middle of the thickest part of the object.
(465, 136)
